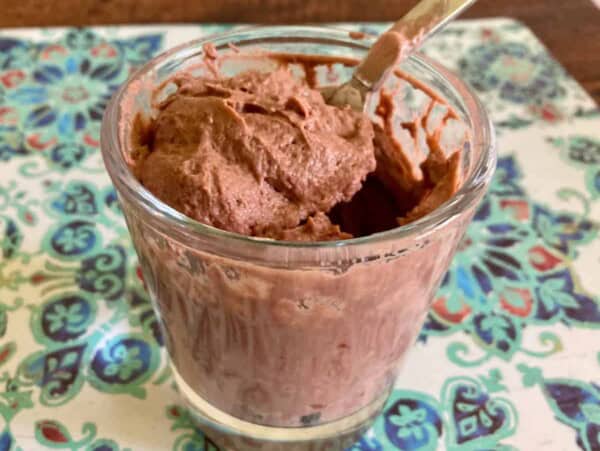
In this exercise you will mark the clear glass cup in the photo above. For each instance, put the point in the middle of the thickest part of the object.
(281, 345)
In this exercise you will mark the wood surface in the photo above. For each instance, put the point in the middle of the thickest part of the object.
(569, 28)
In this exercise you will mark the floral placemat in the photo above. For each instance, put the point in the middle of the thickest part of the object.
(510, 354)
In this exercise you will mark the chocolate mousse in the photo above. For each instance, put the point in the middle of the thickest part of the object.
(263, 154)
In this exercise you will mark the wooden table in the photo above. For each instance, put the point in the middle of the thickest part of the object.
(570, 28)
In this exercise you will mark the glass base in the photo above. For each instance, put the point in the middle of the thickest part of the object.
(232, 434)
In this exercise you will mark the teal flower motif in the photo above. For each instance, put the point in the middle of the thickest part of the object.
(65, 317)
(127, 361)
(72, 239)
(412, 421)
(122, 364)
(409, 422)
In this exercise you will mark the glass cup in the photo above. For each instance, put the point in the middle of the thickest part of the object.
(287, 345)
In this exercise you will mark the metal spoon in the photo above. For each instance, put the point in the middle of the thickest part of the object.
(405, 36)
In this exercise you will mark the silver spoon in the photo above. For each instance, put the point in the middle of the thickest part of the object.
(405, 36)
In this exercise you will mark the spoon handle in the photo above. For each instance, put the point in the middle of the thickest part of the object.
(427, 17)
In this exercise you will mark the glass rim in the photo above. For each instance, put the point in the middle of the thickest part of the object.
(127, 185)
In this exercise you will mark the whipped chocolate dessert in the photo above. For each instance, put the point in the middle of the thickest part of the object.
(262, 154)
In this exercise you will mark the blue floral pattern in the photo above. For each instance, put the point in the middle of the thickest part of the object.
(514, 71)
(513, 269)
(58, 92)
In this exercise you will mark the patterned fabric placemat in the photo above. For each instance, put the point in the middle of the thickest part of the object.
(510, 354)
